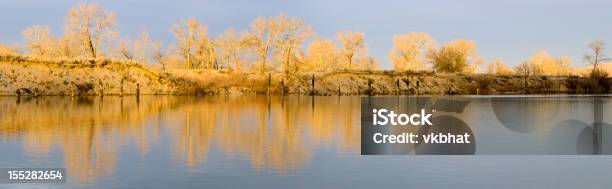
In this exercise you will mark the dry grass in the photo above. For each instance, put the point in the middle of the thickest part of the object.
(586, 71)
(7, 51)
(113, 77)
(67, 76)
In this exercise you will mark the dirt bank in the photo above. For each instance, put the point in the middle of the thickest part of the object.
(26, 76)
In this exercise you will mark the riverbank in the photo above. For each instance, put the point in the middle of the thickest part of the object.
(28, 76)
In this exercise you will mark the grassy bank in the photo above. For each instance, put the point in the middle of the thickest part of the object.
(28, 76)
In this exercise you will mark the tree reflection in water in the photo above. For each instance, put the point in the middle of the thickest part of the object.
(277, 133)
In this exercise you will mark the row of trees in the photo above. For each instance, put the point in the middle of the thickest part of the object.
(412, 52)
(272, 44)
(87, 27)
(542, 63)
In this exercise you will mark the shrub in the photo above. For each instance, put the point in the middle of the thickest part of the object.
(453, 57)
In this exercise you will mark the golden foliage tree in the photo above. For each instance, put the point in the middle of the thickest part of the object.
(409, 50)
(455, 56)
(544, 64)
(321, 56)
(474, 65)
(499, 68)
(352, 44)
(90, 25)
(368, 63)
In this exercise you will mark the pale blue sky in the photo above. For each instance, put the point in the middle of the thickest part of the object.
(511, 30)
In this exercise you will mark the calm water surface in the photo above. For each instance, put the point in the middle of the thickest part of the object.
(292, 142)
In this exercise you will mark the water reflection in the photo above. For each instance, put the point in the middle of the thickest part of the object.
(91, 135)
(524, 114)
(447, 124)
(273, 133)
(570, 133)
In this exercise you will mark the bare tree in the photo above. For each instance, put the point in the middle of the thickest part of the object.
(264, 33)
(158, 54)
(293, 34)
(230, 47)
(40, 43)
(596, 57)
(90, 25)
(186, 34)
(525, 69)
(205, 53)
(276, 34)
(38, 40)
(194, 44)
(124, 50)
(142, 48)
(67, 47)
(352, 43)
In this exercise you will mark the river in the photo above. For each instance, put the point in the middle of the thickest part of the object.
(296, 142)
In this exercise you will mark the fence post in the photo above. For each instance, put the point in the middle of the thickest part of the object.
(526, 84)
(269, 81)
(282, 90)
(313, 85)
(101, 87)
(398, 87)
(121, 91)
(369, 87)
(417, 87)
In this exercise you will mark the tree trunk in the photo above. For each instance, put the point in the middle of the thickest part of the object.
(213, 57)
(287, 60)
(350, 59)
(92, 49)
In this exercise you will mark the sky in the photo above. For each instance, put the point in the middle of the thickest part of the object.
(512, 30)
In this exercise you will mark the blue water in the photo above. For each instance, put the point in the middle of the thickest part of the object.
(281, 142)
